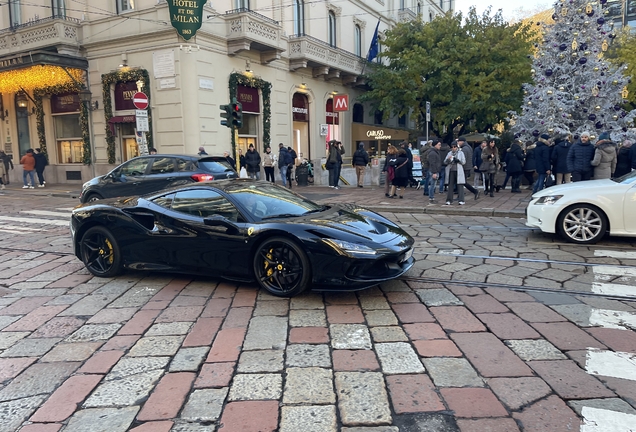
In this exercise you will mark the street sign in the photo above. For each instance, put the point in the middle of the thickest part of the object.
(140, 100)
(141, 117)
(341, 102)
(428, 111)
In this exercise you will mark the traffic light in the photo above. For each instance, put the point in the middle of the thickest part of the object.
(237, 114)
(226, 113)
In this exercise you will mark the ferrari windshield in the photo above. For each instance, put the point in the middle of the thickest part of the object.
(266, 201)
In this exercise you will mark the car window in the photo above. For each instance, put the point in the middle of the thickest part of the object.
(162, 165)
(204, 203)
(267, 201)
(164, 201)
(212, 165)
(185, 165)
(135, 167)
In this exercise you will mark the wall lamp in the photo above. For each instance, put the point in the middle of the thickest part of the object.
(23, 103)
(4, 114)
(85, 96)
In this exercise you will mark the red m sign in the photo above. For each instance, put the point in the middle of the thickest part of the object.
(341, 102)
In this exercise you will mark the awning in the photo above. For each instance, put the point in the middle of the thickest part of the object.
(120, 119)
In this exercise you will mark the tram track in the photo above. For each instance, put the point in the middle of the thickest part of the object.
(537, 260)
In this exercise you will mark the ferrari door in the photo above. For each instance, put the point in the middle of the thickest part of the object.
(204, 248)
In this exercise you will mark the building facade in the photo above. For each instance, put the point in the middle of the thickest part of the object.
(69, 70)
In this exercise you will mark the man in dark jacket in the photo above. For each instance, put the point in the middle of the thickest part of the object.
(514, 165)
(409, 165)
(579, 157)
(623, 159)
(444, 150)
(284, 159)
(559, 159)
(434, 158)
(426, 147)
(477, 162)
(360, 160)
(542, 161)
(465, 148)
(40, 163)
(253, 163)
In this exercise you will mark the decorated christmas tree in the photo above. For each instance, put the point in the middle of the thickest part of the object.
(575, 88)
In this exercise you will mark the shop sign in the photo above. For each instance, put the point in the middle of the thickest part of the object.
(300, 107)
(124, 94)
(186, 16)
(248, 97)
(378, 135)
(63, 103)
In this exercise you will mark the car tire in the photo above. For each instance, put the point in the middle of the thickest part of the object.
(582, 224)
(92, 197)
(100, 252)
(281, 267)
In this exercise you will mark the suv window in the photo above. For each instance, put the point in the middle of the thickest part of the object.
(135, 167)
(215, 165)
(204, 203)
(162, 165)
(185, 165)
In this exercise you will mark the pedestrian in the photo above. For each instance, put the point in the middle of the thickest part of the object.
(40, 163)
(269, 162)
(623, 160)
(229, 159)
(407, 148)
(489, 166)
(7, 162)
(2, 176)
(559, 159)
(389, 168)
(529, 165)
(202, 152)
(253, 163)
(514, 165)
(580, 157)
(632, 156)
(284, 159)
(28, 168)
(542, 161)
(291, 166)
(465, 148)
(442, 175)
(401, 177)
(426, 147)
(360, 160)
(454, 177)
(604, 161)
(476, 164)
(434, 167)
(242, 163)
(334, 162)
(152, 151)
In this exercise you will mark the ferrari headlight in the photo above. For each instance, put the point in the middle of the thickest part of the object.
(548, 199)
(349, 248)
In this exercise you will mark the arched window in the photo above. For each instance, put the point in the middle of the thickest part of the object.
(419, 8)
(358, 113)
(402, 120)
(401, 4)
(243, 4)
(377, 117)
(441, 4)
(430, 16)
(357, 41)
(58, 8)
(332, 29)
(14, 13)
(299, 17)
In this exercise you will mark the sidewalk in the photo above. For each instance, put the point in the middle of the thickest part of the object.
(504, 203)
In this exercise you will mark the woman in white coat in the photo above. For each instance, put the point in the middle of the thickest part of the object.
(455, 161)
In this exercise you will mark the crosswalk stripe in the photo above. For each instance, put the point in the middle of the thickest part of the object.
(615, 254)
(602, 420)
(35, 221)
(613, 319)
(47, 213)
(613, 270)
(21, 228)
(610, 363)
(614, 289)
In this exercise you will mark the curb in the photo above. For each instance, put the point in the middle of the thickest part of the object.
(448, 211)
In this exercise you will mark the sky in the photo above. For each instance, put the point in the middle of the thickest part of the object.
(510, 8)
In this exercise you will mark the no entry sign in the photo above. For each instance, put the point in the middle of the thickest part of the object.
(140, 100)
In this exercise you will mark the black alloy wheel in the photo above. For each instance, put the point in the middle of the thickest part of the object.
(281, 267)
(100, 252)
(582, 224)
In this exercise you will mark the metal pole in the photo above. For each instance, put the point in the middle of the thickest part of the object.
(236, 150)
(426, 131)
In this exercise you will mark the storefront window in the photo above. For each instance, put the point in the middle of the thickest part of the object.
(68, 136)
(129, 141)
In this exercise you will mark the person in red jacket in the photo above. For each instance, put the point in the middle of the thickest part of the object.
(28, 166)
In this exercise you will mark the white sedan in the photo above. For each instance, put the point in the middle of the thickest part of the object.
(584, 212)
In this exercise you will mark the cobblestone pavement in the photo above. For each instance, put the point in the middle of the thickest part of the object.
(496, 328)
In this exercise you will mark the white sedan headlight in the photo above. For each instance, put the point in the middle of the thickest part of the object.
(349, 248)
(548, 199)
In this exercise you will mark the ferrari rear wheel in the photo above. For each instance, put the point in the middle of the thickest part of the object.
(100, 252)
(281, 267)
(582, 223)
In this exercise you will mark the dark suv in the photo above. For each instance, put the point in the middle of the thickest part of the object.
(152, 173)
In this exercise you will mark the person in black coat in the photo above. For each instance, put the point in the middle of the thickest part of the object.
(580, 157)
(632, 156)
(542, 161)
(253, 163)
(40, 163)
(360, 160)
(477, 163)
(514, 165)
(559, 159)
(529, 165)
(624, 160)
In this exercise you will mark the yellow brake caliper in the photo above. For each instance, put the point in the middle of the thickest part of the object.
(110, 252)
(270, 257)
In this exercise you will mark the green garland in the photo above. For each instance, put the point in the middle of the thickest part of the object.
(113, 78)
(237, 79)
(72, 87)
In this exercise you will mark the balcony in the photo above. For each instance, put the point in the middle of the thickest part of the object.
(406, 14)
(324, 60)
(59, 32)
(248, 30)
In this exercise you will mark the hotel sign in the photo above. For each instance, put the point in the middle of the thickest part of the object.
(186, 16)
(378, 135)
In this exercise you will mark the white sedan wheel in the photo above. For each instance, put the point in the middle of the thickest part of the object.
(582, 224)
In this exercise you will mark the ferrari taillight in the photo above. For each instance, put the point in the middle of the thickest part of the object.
(202, 177)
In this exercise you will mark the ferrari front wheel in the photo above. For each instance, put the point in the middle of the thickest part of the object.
(281, 267)
(100, 252)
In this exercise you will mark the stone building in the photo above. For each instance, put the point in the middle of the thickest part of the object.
(69, 70)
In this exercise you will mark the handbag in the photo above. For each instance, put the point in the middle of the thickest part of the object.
(243, 173)
(550, 181)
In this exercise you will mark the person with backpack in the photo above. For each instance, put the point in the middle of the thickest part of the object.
(334, 162)
(360, 161)
(284, 159)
